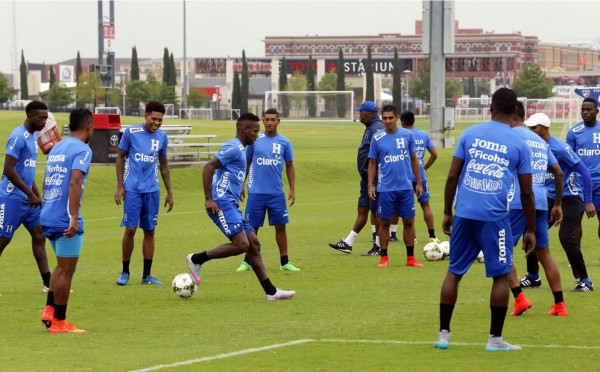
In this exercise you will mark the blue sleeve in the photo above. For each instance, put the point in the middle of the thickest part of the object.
(249, 152)
(227, 154)
(125, 141)
(430, 144)
(551, 158)
(524, 165)
(373, 149)
(571, 138)
(14, 146)
(82, 160)
(586, 181)
(165, 144)
(288, 154)
(411, 143)
(460, 151)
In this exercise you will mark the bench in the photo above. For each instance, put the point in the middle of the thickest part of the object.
(192, 151)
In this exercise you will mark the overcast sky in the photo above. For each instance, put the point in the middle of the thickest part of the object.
(53, 31)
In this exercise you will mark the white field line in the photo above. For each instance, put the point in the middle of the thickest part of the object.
(341, 341)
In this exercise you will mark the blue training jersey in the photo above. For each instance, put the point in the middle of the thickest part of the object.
(541, 159)
(585, 141)
(143, 149)
(66, 156)
(567, 159)
(21, 145)
(422, 143)
(493, 155)
(392, 153)
(268, 155)
(228, 179)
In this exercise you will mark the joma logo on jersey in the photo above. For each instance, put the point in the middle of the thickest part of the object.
(502, 246)
(489, 145)
(276, 148)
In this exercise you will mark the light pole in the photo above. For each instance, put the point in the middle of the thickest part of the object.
(123, 75)
(404, 96)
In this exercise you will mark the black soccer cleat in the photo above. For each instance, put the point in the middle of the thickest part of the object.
(341, 246)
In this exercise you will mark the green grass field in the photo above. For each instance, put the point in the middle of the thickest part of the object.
(348, 314)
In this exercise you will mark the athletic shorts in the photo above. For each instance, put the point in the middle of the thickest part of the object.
(63, 246)
(396, 203)
(259, 204)
(425, 197)
(141, 209)
(13, 213)
(230, 220)
(494, 238)
(363, 199)
(518, 225)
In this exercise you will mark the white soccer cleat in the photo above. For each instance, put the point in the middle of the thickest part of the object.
(194, 269)
(281, 294)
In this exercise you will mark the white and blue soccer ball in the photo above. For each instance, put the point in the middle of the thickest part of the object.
(432, 252)
(445, 247)
(184, 286)
(480, 258)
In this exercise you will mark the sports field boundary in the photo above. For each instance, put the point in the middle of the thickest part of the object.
(342, 341)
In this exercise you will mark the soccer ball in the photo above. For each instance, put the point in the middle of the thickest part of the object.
(184, 286)
(480, 258)
(445, 247)
(432, 252)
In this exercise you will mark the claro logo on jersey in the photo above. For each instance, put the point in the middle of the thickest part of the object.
(267, 161)
(30, 163)
(138, 156)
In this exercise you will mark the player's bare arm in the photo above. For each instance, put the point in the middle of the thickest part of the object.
(165, 173)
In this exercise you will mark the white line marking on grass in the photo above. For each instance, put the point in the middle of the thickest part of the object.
(341, 341)
(226, 355)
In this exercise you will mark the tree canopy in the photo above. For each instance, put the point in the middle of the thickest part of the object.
(532, 82)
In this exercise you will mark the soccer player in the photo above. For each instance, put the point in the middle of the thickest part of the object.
(392, 156)
(67, 169)
(368, 116)
(575, 175)
(222, 180)
(584, 139)
(542, 161)
(489, 157)
(20, 199)
(265, 161)
(142, 152)
(422, 142)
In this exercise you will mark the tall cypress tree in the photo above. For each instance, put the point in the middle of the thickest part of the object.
(236, 98)
(341, 84)
(311, 99)
(396, 82)
(370, 93)
(52, 76)
(23, 74)
(284, 99)
(135, 67)
(172, 71)
(166, 65)
(78, 67)
(244, 85)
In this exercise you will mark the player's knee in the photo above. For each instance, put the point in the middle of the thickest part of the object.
(130, 232)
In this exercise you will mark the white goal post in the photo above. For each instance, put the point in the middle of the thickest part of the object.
(170, 111)
(196, 114)
(312, 105)
(107, 110)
